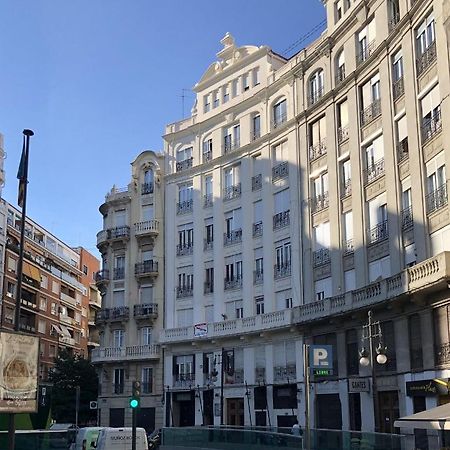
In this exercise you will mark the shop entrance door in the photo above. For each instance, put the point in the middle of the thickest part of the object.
(235, 411)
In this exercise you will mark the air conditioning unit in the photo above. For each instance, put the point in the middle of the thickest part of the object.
(9, 294)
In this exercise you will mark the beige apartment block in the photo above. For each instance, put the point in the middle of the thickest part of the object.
(131, 283)
(300, 194)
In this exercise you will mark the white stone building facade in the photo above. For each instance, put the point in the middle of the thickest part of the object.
(301, 194)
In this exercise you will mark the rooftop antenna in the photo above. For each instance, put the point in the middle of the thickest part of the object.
(183, 95)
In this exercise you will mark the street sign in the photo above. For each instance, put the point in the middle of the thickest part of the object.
(356, 385)
(321, 357)
(93, 405)
(322, 372)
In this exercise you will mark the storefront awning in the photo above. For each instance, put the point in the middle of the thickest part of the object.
(65, 331)
(432, 419)
(31, 272)
(57, 329)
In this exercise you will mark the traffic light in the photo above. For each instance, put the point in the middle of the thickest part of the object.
(135, 399)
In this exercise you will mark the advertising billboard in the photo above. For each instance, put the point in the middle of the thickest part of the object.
(19, 362)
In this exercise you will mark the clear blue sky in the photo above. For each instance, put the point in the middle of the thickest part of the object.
(97, 80)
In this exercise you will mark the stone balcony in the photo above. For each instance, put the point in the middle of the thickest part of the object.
(146, 231)
(424, 275)
(131, 353)
(253, 324)
(430, 274)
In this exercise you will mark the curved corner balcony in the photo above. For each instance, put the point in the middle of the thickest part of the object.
(145, 311)
(112, 235)
(146, 269)
(147, 230)
(102, 278)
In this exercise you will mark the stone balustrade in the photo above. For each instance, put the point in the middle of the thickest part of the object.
(134, 352)
(419, 277)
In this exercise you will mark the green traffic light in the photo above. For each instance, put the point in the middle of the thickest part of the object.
(134, 403)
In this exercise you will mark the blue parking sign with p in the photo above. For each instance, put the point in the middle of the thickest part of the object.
(321, 357)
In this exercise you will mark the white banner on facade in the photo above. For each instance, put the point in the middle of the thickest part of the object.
(19, 362)
(200, 329)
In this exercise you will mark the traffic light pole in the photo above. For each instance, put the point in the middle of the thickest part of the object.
(133, 429)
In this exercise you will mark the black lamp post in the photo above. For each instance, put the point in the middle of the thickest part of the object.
(371, 331)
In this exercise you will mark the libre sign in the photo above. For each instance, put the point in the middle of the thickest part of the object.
(321, 359)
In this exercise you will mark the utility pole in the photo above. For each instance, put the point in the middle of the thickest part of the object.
(306, 374)
(77, 405)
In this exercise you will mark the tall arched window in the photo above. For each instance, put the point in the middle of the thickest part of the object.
(147, 185)
(340, 67)
(315, 86)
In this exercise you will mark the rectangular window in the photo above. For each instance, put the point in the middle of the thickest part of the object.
(226, 93)
(259, 304)
(12, 264)
(44, 282)
(52, 351)
(10, 289)
(118, 338)
(255, 74)
(43, 304)
(42, 326)
(256, 126)
(147, 380)
(55, 287)
(118, 381)
(146, 335)
(280, 112)
(425, 35)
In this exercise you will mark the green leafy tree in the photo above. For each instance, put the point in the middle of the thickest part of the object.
(69, 372)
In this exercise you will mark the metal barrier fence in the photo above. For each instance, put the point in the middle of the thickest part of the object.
(265, 438)
(39, 440)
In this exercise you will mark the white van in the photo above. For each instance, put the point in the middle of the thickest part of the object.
(120, 439)
(86, 438)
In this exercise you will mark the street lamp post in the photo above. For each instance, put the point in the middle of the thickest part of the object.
(214, 374)
(371, 331)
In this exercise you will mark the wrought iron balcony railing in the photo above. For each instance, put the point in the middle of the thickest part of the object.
(145, 309)
(379, 232)
(348, 247)
(319, 202)
(102, 276)
(279, 120)
(118, 273)
(147, 188)
(146, 267)
(442, 353)
(257, 229)
(231, 192)
(258, 277)
(370, 113)
(208, 287)
(208, 244)
(281, 219)
(407, 218)
(184, 165)
(365, 52)
(431, 126)
(233, 283)
(340, 74)
(318, 149)
(185, 291)
(207, 156)
(346, 188)
(374, 171)
(398, 88)
(256, 134)
(321, 257)
(280, 171)
(233, 237)
(230, 145)
(184, 380)
(342, 134)
(402, 149)
(393, 21)
(185, 249)
(426, 59)
(184, 207)
(315, 96)
(437, 199)
(257, 182)
(282, 270)
(207, 200)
